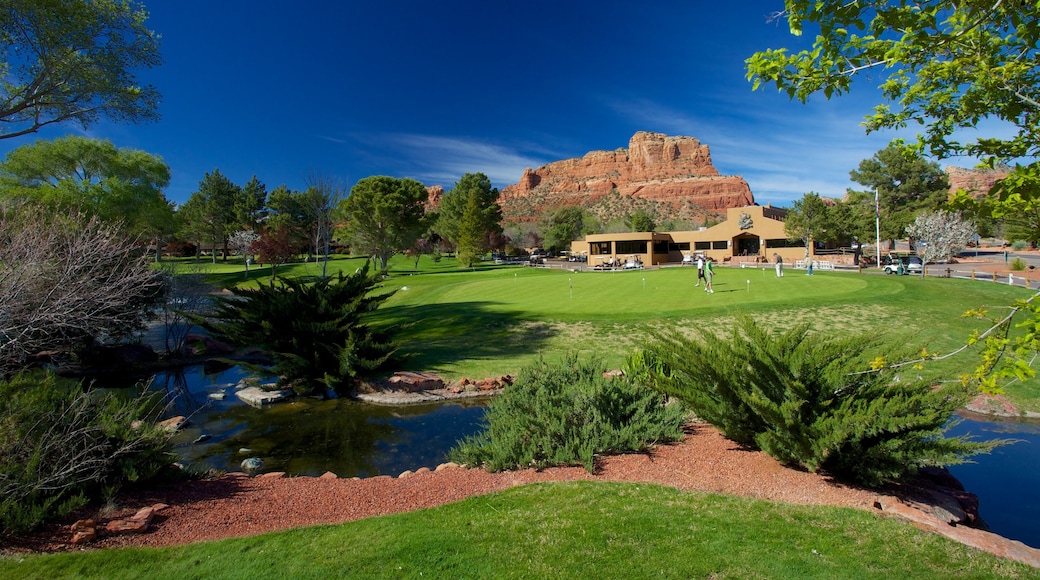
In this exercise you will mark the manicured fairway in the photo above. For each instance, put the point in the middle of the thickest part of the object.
(493, 321)
(627, 296)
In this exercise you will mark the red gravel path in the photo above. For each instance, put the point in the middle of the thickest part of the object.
(235, 505)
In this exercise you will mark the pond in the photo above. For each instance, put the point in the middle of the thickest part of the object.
(310, 437)
(1007, 481)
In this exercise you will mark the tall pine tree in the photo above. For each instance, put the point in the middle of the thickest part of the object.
(472, 242)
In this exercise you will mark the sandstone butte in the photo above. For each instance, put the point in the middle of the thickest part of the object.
(976, 182)
(676, 171)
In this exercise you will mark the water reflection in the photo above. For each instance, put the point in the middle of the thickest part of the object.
(310, 436)
(1007, 480)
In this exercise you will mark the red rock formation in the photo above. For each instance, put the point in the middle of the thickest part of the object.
(137, 523)
(434, 193)
(976, 183)
(411, 382)
(675, 171)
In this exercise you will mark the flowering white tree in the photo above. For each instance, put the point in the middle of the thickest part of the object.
(242, 241)
(941, 234)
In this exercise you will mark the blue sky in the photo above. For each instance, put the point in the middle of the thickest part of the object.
(433, 90)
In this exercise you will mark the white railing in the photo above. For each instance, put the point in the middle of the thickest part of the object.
(948, 271)
(816, 264)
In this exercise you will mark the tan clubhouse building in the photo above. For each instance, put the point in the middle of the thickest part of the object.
(749, 234)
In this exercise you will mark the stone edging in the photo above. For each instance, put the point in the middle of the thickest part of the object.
(973, 537)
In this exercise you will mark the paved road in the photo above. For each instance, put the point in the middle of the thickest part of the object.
(998, 255)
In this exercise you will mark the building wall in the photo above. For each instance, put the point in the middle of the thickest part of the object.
(752, 233)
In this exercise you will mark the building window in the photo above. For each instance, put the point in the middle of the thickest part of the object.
(702, 245)
(599, 248)
(679, 247)
(661, 247)
(785, 243)
(723, 245)
(633, 247)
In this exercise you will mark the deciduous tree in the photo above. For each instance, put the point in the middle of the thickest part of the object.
(942, 64)
(807, 220)
(93, 176)
(384, 215)
(275, 246)
(74, 60)
(323, 195)
(242, 242)
(942, 234)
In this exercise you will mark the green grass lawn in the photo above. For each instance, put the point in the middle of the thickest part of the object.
(494, 320)
(564, 530)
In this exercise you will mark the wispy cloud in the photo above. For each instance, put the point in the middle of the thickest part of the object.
(331, 139)
(437, 159)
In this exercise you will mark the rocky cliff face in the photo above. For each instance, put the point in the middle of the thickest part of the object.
(976, 183)
(675, 172)
(434, 193)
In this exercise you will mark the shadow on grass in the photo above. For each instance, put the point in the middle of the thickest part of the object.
(405, 269)
(435, 335)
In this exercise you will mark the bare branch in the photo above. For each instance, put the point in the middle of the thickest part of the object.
(66, 281)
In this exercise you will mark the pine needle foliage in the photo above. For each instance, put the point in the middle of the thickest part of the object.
(818, 403)
(62, 447)
(315, 330)
(567, 413)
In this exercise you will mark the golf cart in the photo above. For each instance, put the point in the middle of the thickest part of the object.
(904, 265)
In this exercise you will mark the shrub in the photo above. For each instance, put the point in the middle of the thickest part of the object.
(66, 282)
(823, 404)
(1019, 245)
(1018, 264)
(565, 414)
(314, 330)
(61, 448)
